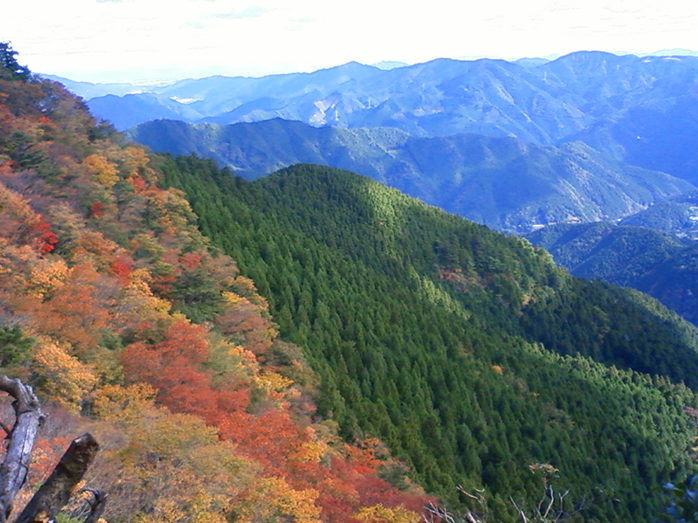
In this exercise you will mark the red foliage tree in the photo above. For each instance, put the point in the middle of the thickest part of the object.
(46, 240)
(122, 267)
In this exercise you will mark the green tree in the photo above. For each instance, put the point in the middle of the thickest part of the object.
(9, 67)
(14, 349)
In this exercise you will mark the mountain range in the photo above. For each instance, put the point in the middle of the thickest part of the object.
(634, 114)
(502, 182)
(544, 104)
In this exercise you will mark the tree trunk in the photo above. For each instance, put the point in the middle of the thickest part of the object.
(55, 493)
(29, 416)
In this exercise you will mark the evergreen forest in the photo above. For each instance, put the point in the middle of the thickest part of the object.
(469, 353)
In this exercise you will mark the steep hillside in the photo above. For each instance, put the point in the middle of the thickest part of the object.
(130, 325)
(677, 216)
(468, 352)
(654, 262)
(657, 135)
(504, 183)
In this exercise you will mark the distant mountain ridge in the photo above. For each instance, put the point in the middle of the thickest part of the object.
(502, 182)
(541, 103)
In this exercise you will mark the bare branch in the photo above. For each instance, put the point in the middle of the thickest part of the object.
(479, 496)
(28, 417)
(550, 494)
(519, 510)
(469, 518)
(440, 513)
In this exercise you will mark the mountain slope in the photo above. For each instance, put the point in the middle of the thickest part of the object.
(617, 254)
(648, 260)
(503, 183)
(444, 338)
(657, 135)
(601, 84)
(129, 325)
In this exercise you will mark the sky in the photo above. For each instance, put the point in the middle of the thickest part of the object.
(161, 40)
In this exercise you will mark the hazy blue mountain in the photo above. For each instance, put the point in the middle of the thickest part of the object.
(673, 52)
(600, 84)
(89, 90)
(645, 110)
(492, 97)
(440, 97)
(258, 98)
(504, 182)
(129, 110)
(600, 98)
(661, 134)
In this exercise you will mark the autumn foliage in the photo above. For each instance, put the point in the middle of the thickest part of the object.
(141, 331)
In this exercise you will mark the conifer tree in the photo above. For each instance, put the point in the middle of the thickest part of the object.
(10, 68)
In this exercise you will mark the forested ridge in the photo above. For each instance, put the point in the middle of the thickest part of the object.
(468, 352)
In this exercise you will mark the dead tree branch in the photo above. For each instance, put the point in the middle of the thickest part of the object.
(55, 493)
(97, 505)
(28, 417)
(434, 513)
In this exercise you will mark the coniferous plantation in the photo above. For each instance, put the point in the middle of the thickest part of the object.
(469, 353)
(314, 346)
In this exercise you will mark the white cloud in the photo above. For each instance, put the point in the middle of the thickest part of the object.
(120, 39)
(249, 12)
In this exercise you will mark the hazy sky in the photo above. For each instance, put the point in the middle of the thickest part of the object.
(137, 40)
